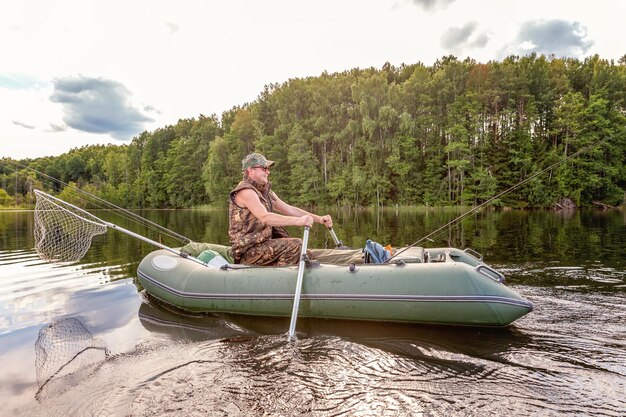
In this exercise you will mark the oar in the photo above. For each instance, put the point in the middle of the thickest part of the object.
(338, 243)
(296, 297)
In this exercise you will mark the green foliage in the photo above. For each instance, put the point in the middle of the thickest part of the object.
(455, 133)
(5, 199)
(305, 177)
(70, 195)
(219, 174)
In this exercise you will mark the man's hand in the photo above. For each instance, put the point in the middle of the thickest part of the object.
(326, 220)
(305, 220)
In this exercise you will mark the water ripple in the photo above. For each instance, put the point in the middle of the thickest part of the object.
(331, 376)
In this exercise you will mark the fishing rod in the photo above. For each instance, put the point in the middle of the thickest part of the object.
(508, 190)
(130, 215)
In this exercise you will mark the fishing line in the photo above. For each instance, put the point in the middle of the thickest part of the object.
(128, 214)
(508, 190)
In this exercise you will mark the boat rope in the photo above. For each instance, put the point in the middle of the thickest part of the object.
(502, 193)
(110, 207)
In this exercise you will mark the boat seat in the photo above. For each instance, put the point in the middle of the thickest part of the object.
(411, 255)
(338, 256)
(196, 248)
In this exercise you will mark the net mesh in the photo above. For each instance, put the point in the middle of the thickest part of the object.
(65, 347)
(63, 232)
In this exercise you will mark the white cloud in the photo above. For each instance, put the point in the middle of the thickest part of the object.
(527, 46)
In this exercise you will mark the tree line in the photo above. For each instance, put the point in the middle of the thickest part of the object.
(454, 133)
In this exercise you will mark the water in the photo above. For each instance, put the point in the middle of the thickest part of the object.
(123, 354)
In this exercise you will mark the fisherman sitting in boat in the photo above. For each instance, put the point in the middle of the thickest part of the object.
(256, 232)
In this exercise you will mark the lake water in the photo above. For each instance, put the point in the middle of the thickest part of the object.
(82, 339)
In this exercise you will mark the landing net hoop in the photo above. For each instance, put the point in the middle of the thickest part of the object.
(63, 232)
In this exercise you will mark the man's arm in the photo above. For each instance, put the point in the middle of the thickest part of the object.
(289, 210)
(249, 199)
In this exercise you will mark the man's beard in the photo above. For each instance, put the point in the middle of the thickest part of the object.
(264, 188)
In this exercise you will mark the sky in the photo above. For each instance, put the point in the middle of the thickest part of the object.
(82, 72)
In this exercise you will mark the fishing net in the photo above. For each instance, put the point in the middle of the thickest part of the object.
(63, 232)
(65, 347)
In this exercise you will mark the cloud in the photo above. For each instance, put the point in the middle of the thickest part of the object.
(456, 39)
(558, 37)
(98, 105)
(151, 109)
(15, 122)
(56, 128)
(172, 27)
(480, 41)
(429, 5)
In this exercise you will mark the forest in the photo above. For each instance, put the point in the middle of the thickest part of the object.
(454, 133)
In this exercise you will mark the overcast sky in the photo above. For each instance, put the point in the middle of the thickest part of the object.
(80, 72)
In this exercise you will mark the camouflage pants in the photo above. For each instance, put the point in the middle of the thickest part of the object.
(275, 252)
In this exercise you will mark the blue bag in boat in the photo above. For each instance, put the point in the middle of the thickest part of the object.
(375, 252)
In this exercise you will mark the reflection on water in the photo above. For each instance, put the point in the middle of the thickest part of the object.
(226, 365)
(65, 347)
(567, 357)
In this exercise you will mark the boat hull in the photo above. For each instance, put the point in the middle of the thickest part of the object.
(454, 293)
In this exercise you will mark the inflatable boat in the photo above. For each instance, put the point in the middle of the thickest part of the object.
(434, 285)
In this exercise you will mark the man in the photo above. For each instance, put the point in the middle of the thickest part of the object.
(256, 232)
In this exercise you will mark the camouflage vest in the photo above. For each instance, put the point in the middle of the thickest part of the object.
(244, 229)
